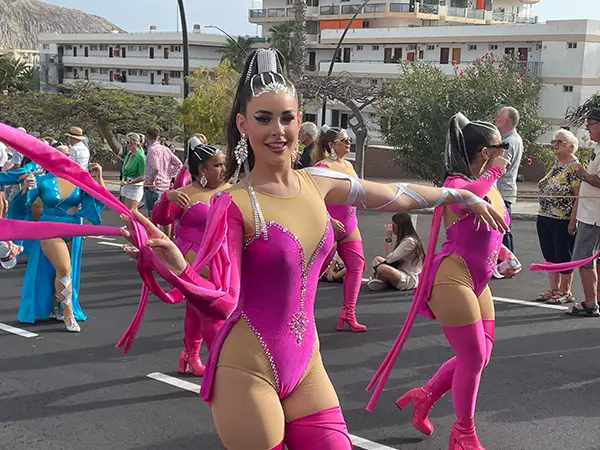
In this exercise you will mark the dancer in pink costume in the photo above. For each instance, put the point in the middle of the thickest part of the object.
(187, 207)
(264, 378)
(453, 284)
(334, 144)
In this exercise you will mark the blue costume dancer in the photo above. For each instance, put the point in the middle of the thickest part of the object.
(42, 282)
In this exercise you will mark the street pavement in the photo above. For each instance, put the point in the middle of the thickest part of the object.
(77, 391)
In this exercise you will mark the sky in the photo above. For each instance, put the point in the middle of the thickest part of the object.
(232, 15)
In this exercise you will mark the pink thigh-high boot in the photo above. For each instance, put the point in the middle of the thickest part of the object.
(425, 397)
(192, 339)
(324, 430)
(353, 257)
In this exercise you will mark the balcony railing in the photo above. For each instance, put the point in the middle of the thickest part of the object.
(429, 9)
(400, 7)
(332, 10)
(276, 12)
(258, 13)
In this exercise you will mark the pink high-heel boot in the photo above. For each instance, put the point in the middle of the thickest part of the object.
(348, 315)
(463, 438)
(422, 401)
(190, 358)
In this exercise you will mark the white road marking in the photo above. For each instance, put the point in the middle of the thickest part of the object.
(516, 301)
(111, 244)
(181, 384)
(193, 387)
(528, 303)
(17, 331)
(102, 238)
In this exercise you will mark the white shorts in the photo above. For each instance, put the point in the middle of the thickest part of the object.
(133, 192)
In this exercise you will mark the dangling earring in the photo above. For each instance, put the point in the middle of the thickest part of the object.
(203, 181)
(295, 153)
(241, 156)
(332, 155)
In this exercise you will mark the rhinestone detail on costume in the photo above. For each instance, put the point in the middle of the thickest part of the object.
(265, 348)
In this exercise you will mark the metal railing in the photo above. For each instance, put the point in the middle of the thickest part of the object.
(258, 13)
(400, 7)
(332, 10)
(429, 9)
(276, 12)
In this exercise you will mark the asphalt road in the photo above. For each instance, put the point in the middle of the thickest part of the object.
(65, 391)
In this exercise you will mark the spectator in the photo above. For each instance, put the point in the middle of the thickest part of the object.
(308, 136)
(403, 264)
(78, 151)
(556, 221)
(587, 241)
(507, 121)
(161, 167)
(133, 172)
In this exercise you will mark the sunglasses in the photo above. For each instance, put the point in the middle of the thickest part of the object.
(503, 145)
(347, 140)
(558, 141)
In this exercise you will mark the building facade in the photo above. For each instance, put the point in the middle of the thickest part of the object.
(562, 53)
(144, 63)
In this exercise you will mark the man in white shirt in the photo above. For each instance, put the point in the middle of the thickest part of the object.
(78, 151)
(587, 208)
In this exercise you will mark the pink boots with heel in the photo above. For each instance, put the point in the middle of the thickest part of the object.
(422, 401)
(190, 358)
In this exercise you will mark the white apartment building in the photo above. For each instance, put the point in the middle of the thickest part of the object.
(563, 53)
(143, 63)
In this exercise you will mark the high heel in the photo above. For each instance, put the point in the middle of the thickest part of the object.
(71, 324)
(348, 316)
(190, 358)
(422, 401)
(463, 439)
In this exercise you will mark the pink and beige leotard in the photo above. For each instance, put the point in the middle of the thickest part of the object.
(342, 213)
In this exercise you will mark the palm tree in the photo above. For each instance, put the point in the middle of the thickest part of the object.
(282, 38)
(298, 56)
(233, 51)
(12, 73)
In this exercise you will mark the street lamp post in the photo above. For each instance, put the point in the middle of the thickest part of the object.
(229, 36)
(337, 49)
(186, 50)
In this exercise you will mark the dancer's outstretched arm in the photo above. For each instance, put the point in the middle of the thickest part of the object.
(341, 189)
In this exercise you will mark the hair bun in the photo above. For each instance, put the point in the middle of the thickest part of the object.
(325, 128)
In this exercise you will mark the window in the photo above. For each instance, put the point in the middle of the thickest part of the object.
(104, 71)
(46, 46)
(344, 120)
(335, 118)
(103, 47)
(359, 48)
(308, 117)
(540, 46)
(567, 88)
(376, 48)
(175, 74)
(366, 24)
(421, 54)
(312, 27)
(412, 46)
(142, 48)
(312, 3)
(472, 47)
(143, 73)
(69, 47)
(132, 72)
(94, 70)
(430, 48)
(571, 45)
(175, 48)
(68, 69)
(493, 46)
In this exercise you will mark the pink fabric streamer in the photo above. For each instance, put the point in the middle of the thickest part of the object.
(63, 167)
(419, 298)
(561, 267)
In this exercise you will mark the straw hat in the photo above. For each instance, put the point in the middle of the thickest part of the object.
(76, 133)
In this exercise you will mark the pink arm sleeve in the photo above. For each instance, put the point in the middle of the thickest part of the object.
(480, 187)
(165, 212)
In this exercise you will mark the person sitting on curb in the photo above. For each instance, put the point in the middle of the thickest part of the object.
(403, 264)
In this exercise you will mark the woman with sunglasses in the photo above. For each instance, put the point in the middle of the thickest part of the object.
(333, 146)
(453, 284)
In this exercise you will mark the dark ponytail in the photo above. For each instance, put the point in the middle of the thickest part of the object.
(464, 141)
(248, 84)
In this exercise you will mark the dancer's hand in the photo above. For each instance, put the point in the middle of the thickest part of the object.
(512, 271)
(14, 250)
(96, 170)
(338, 226)
(159, 242)
(179, 198)
(489, 215)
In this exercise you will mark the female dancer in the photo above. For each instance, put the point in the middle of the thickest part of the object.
(133, 172)
(266, 241)
(52, 274)
(334, 144)
(403, 264)
(188, 207)
(453, 286)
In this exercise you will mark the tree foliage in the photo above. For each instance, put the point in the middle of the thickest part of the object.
(415, 108)
(236, 51)
(576, 117)
(102, 113)
(15, 75)
(207, 110)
